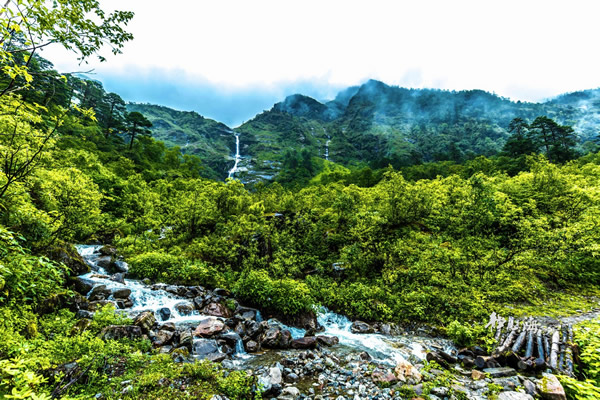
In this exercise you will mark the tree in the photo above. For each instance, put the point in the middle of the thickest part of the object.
(78, 25)
(521, 142)
(116, 110)
(136, 122)
(558, 140)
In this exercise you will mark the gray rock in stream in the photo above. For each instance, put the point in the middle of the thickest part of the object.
(514, 396)
(83, 285)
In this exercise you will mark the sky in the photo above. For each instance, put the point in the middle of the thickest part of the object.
(230, 60)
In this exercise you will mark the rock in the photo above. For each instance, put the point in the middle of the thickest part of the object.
(500, 372)
(121, 332)
(530, 388)
(247, 313)
(307, 321)
(164, 313)
(82, 285)
(80, 326)
(209, 326)
(121, 293)
(203, 347)
(69, 256)
(361, 327)
(217, 310)
(99, 292)
(184, 308)
(127, 303)
(222, 292)
(365, 356)
(251, 346)
(289, 393)
(121, 266)
(291, 377)
(380, 377)
(145, 321)
(477, 375)
(163, 337)
(406, 372)
(550, 388)
(180, 354)
(169, 326)
(108, 263)
(231, 338)
(118, 277)
(186, 339)
(254, 329)
(199, 302)
(328, 340)
(514, 396)
(275, 338)
(508, 384)
(84, 314)
(108, 250)
(307, 342)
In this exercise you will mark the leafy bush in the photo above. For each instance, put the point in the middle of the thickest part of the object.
(155, 265)
(285, 296)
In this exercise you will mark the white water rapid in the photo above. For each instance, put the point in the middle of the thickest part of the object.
(238, 158)
(158, 298)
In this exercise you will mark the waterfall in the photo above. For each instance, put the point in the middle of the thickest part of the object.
(327, 148)
(239, 347)
(238, 158)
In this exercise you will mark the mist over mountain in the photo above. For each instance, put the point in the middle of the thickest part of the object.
(374, 124)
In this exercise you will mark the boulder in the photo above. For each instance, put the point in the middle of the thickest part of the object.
(184, 308)
(121, 293)
(406, 372)
(247, 313)
(164, 313)
(209, 326)
(145, 321)
(108, 263)
(221, 292)
(251, 346)
(119, 277)
(121, 266)
(199, 302)
(381, 377)
(289, 393)
(108, 250)
(217, 309)
(163, 337)
(82, 285)
(254, 329)
(121, 332)
(69, 256)
(169, 326)
(203, 347)
(361, 327)
(124, 303)
(307, 342)
(550, 388)
(230, 338)
(99, 292)
(514, 396)
(275, 338)
(327, 340)
(186, 339)
(477, 375)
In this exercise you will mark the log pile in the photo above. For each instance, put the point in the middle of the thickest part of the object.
(527, 346)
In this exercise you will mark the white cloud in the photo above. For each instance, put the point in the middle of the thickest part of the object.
(522, 49)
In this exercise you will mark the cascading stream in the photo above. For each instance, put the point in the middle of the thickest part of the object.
(238, 157)
(386, 349)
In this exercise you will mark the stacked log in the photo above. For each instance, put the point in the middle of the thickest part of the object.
(525, 345)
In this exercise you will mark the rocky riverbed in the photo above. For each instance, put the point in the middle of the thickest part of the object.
(329, 357)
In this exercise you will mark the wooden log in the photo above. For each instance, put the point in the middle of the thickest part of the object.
(499, 329)
(525, 364)
(482, 361)
(509, 340)
(519, 342)
(554, 350)
(561, 357)
(546, 348)
(540, 344)
(492, 322)
(568, 366)
(529, 348)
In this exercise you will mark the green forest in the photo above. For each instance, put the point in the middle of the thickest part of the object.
(433, 242)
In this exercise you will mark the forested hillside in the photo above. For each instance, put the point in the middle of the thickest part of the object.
(439, 244)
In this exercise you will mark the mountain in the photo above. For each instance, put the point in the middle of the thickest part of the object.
(373, 124)
(194, 134)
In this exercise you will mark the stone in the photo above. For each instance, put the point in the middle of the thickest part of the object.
(222, 292)
(84, 314)
(500, 372)
(275, 338)
(113, 332)
(202, 347)
(327, 340)
(121, 266)
(361, 327)
(121, 293)
(292, 377)
(251, 346)
(164, 313)
(186, 339)
(184, 308)
(99, 292)
(380, 377)
(217, 309)
(247, 313)
(108, 250)
(163, 337)
(307, 342)
(68, 255)
(406, 372)
(107, 262)
(80, 326)
(199, 302)
(209, 326)
(124, 303)
(118, 277)
(289, 393)
(169, 326)
(550, 388)
(231, 338)
(530, 388)
(514, 396)
(82, 285)
(477, 375)
(145, 321)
